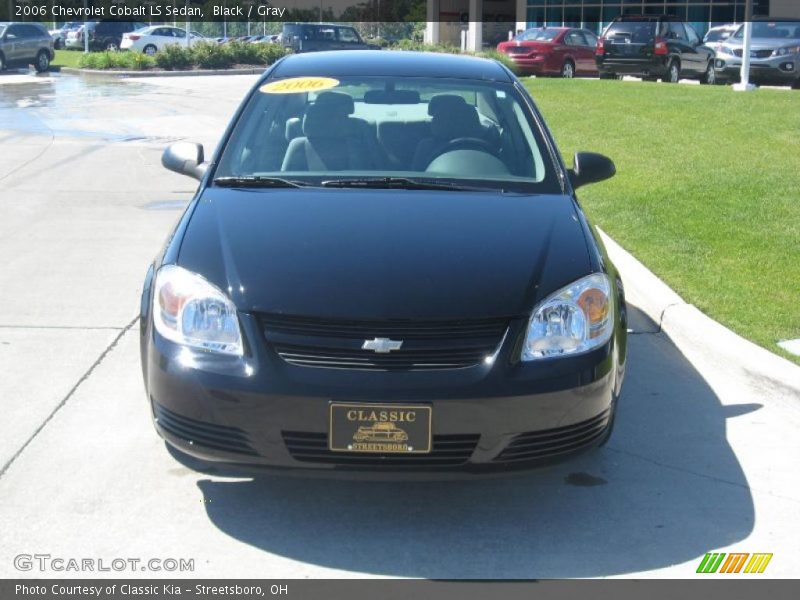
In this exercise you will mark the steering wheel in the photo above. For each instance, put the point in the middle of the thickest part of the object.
(469, 143)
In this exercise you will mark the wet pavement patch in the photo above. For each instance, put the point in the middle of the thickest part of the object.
(584, 480)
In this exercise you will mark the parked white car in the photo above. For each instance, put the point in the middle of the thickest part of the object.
(152, 39)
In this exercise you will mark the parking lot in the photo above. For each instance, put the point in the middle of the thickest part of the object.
(702, 458)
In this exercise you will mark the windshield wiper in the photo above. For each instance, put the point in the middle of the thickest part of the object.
(404, 183)
(257, 181)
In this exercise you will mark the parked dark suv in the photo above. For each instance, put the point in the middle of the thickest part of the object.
(653, 48)
(107, 35)
(313, 37)
(23, 44)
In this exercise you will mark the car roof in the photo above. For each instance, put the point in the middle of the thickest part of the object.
(390, 63)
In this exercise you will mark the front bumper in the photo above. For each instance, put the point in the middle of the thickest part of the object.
(781, 70)
(262, 412)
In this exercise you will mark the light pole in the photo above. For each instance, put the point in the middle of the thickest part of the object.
(188, 27)
(85, 31)
(744, 84)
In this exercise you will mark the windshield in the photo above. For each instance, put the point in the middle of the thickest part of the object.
(637, 32)
(772, 30)
(2, 29)
(440, 130)
(538, 35)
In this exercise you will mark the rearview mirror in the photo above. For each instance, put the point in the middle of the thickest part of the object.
(185, 158)
(591, 168)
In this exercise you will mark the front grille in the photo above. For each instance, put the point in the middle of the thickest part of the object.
(754, 53)
(426, 345)
(447, 451)
(217, 437)
(552, 442)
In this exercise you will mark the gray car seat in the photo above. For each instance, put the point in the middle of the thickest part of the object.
(328, 138)
(452, 118)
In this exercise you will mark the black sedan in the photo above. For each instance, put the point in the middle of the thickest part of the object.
(384, 268)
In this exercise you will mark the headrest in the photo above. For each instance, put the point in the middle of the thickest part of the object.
(294, 128)
(391, 97)
(445, 103)
(323, 121)
(341, 103)
(460, 120)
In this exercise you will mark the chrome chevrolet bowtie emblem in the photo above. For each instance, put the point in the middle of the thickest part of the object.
(382, 345)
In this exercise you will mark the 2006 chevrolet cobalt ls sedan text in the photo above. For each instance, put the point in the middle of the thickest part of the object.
(384, 268)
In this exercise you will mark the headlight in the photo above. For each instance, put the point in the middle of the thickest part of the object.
(787, 50)
(576, 319)
(192, 312)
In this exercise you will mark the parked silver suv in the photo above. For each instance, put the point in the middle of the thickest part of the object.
(774, 54)
(23, 44)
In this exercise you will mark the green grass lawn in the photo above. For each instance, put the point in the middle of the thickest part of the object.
(67, 58)
(707, 192)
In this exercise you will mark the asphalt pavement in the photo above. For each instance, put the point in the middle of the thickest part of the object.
(698, 462)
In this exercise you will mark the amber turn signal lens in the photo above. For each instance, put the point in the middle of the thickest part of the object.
(594, 304)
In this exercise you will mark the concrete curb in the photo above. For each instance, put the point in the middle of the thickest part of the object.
(693, 332)
(187, 73)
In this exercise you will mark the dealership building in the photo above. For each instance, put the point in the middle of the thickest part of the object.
(487, 22)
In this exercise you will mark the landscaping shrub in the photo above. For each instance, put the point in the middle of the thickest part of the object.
(89, 61)
(139, 61)
(243, 54)
(269, 53)
(499, 57)
(209, 55)
(204, 55)
(174, 57)
(104, 60)
(411, 45)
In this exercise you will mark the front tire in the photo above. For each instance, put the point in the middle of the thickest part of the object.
(42, 63)
(710, 76)
(568, 70)
(796, 84)
(2, 62)
(150, 50)
(673, 72)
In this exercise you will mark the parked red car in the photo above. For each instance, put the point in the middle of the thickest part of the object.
(560, 51)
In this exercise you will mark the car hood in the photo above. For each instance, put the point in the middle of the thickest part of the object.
(764, 43)
(378, 254)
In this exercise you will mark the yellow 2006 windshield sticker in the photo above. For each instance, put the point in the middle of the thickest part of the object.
(298, 85)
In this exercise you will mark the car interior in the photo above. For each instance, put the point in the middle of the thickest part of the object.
(456, 133)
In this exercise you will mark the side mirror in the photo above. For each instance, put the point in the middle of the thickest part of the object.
(591, 168)
(9, 36)
(185, 158)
